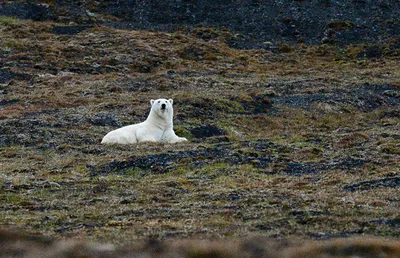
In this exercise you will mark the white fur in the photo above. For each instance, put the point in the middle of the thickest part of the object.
(158, 127)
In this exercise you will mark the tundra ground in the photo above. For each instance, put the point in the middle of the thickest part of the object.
(293, 143)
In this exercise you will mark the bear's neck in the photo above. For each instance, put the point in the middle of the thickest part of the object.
(161, 121)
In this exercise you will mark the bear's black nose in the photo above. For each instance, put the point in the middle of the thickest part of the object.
(163, 106)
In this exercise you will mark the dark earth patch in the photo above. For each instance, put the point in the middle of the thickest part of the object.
(365, 97)
(395, 223)
(6, 76)
(165, 162)
(371, 52)
(69, 30)
(296, 168)
(8, 102)
(391, 113)
(346, 164)
(197, 108)
(135, 84)
(287, 21)
(104, 120)
(258, 104)
(314, 21)
(222, 152)
(391, 182)
(32, 11)
(306, 100)
(41, 128)
(207, 130)
(172, 73)
(157, 163)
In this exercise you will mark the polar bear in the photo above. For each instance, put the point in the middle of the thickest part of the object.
(158, 127)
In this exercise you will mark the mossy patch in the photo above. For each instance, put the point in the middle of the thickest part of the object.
(229, 106)
(6, 21)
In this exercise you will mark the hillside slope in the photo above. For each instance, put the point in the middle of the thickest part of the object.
(297, 143)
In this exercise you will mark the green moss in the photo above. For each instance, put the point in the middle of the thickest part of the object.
(229, 106)
(135, 172)
(182, 132)
(214, 170)
(5, 20)
(81, 169)
(12, 198)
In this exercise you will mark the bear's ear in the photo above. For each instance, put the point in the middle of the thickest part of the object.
(152, 102)
(171, 101)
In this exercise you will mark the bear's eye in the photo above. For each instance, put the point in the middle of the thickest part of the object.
(158, 101)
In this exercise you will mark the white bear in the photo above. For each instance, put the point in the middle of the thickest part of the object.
(158, 127)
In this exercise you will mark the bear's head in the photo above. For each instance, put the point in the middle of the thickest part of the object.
(163, 108)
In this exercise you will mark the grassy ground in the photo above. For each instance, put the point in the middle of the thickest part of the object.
(294, 143)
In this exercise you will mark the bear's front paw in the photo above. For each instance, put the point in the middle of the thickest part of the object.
(178, 139)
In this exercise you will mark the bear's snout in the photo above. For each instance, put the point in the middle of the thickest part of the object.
(163, 106)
